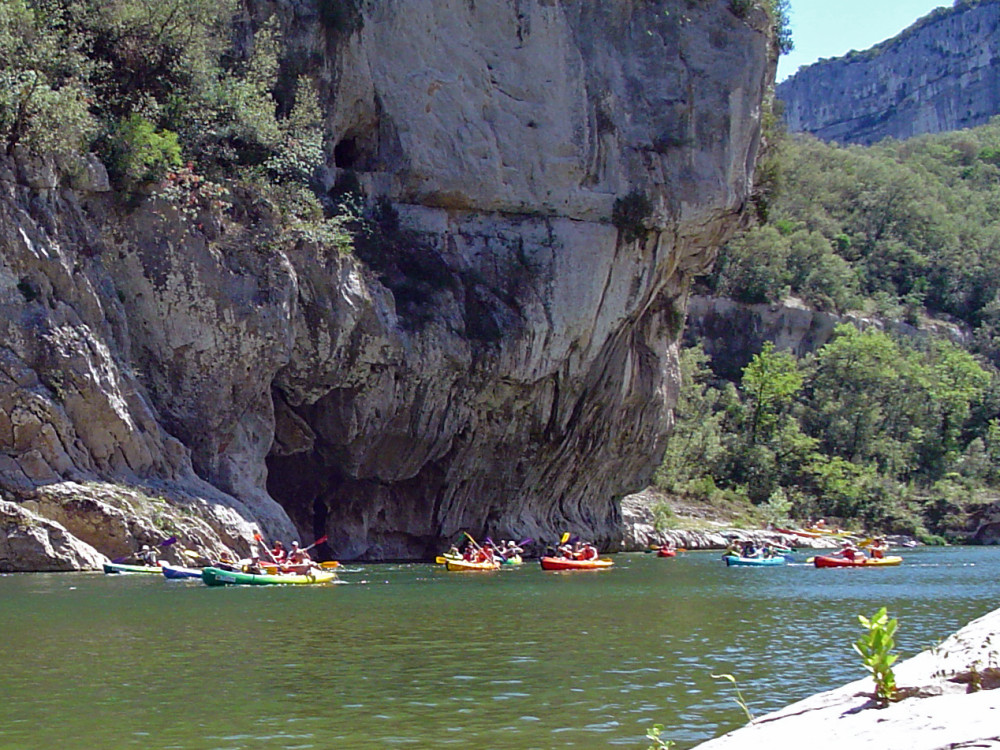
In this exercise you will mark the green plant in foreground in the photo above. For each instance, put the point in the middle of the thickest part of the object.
(875, 648)
(739, 696)
(655, 735)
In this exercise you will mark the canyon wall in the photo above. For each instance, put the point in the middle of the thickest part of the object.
(940, 74)
(501, 358)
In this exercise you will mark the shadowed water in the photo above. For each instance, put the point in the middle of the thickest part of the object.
(414, 656)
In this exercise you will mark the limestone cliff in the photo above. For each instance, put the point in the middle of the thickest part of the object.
(732, 333)
(502, 358)
(942, 73)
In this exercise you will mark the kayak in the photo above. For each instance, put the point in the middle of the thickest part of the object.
(564, 563)
(469, 565)
(219, 577)
(177, 572)
(666, 552)
(868, 562)
(735, 560)
(801, 532)
(123, 568)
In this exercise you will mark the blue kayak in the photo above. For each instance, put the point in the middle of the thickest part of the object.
(732, 560)
(175, 572)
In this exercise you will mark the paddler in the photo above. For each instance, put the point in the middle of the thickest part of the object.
(146, 555)
(298, 556)
(878, 547)
(279, 553)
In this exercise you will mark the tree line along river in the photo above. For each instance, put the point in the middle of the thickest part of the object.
(410, 655)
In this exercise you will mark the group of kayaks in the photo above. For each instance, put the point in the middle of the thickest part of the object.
(820, 561)
(215, 576)
(454, 563)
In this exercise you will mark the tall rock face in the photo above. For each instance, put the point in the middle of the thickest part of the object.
(733, 333)
(499, 356)
(941, 74)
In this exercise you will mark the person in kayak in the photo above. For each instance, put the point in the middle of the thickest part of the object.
(253, 567)
(146, 555)
(852, 553)
(298, 556)
(878, 547)
(225, 562)
(512, 550)
(279, 553)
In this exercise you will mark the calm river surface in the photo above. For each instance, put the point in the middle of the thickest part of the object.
(414, 656)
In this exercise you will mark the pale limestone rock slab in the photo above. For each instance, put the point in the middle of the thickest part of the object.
(948, 718)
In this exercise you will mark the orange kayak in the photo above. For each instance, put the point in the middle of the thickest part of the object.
(563, 563)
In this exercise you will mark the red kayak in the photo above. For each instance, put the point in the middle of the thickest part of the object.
(864, 562)
(564, 563)
(661, 552)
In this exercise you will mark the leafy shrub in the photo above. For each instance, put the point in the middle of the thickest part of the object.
(136, 152)
(629, 215)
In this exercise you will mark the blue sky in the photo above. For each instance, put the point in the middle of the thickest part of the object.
(824, 28)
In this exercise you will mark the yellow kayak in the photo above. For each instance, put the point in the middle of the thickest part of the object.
(466, 565)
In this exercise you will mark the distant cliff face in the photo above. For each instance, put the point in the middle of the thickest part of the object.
(942, 73)
(733, 333)
(500, 358)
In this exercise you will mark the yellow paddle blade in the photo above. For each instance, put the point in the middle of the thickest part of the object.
(564, 537)
(329, 564)
(440, 560)
(810, 559)
(190, 553)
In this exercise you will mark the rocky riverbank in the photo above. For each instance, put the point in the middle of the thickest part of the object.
(949, 701)
(705, 530)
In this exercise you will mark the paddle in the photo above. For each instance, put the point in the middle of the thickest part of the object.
(474, 542)
(267, 548)
(165, 543)
(318, 541)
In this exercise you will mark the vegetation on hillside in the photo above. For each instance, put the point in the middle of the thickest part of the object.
(901, 434)
(901, 229)
(172, 102)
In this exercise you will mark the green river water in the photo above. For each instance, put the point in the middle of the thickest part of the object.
(414, 656)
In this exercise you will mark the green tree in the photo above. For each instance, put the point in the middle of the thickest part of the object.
(769, 384)
(43, 74)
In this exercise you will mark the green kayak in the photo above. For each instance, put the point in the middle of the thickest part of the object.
(122, 568)
(219, 577)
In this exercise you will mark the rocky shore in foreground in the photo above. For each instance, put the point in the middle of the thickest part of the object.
(949, 702)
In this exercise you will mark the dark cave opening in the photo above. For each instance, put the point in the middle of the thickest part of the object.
(347, 154)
